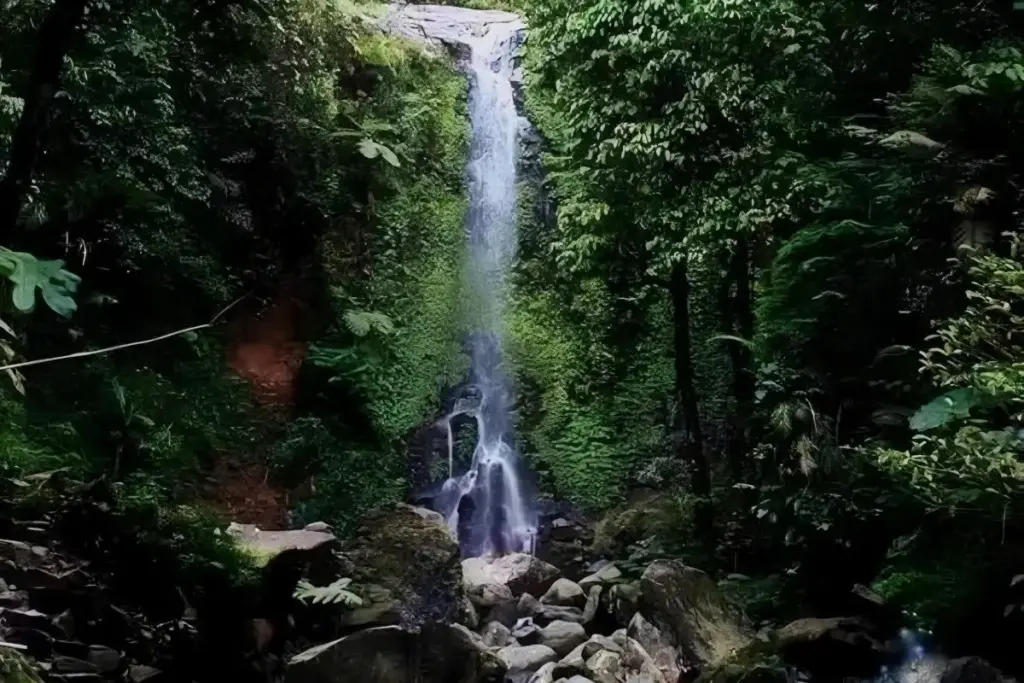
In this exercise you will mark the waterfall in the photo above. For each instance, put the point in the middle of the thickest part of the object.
(489, 506)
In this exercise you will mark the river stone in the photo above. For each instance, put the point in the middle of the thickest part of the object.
(549, 613)
(526, 632)
(413, 559)
(525, 657)
(489, 594)
(381, 655)
(545, 674)
(593, 604)
(608, 573)
(605, 667)
(522, 573)
(496, 634)
(636, 658)
(562, 636)
(528, 605)
(657, 644)
(685, 605)
(623, 601)
(565, 593)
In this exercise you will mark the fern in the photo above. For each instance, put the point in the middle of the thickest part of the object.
(331, 594)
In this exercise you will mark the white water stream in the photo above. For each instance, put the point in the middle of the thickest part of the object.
(489, 505)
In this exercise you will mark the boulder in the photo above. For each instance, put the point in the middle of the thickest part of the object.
(545, 674)
(517, 658)
(636, 659)
(624, 601)
(549, 613)
(526, 632)
(840, 646)
(489, 594)
(528, 605)
(972, 670)
(564, 593)
(467, 615)
(657, 644)
(606, 575)
(684, 604)
(496, 634)
(593, 604)
(405, 563)
(522, 573)
(382, 655)
(605, 667)
(563, 636)
(265, 546)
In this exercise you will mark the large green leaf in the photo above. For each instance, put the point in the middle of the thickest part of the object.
(27, 273)
(953, 405)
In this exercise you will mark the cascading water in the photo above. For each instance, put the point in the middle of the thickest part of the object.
(489, 506)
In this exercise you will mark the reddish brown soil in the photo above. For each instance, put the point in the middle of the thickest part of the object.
(266, 352)
(243, 493)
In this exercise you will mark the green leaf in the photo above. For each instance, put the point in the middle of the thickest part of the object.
(952, 405)
(368, 148)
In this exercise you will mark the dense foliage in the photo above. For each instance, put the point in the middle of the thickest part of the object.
(810, 208)
(196, 162)
(782, 285)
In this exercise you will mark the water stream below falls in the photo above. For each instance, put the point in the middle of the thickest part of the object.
(490, 506)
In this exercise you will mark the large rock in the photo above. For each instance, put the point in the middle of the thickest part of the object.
(522, 573)
(265, 546)
(685, 605)
(563, 636)
(518, 658)
(489, 594)
(389, 654)
(405, 563)
(972, 670)
(657, 644)
(565, 593)
(841, 646)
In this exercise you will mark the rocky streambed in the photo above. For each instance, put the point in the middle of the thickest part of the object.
(431, 617)
(426, 615)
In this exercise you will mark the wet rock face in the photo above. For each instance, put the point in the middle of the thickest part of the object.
(406, 564)
(684, 603)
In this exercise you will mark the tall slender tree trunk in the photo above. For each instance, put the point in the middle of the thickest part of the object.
(739, 321)
(691, 444)
(53, 41)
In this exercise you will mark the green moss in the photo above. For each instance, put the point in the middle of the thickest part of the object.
(756, 663)
(15, 669)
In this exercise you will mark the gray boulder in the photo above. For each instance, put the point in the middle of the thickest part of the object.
(517, 658)
(564, 593)
(522, 573)
(381, 655)
(684, 604)
(563, 636)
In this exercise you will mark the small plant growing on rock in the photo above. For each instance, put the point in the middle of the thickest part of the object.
(334, 593)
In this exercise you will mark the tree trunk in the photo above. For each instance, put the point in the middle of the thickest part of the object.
(52, 44)
(691, 444)
(739, 321)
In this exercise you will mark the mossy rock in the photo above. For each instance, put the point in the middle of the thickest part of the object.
(16, 669)
(757, 663)
(654, 515)
(411, 560)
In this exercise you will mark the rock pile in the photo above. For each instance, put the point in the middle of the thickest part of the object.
(51, 610)
(522, 621)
